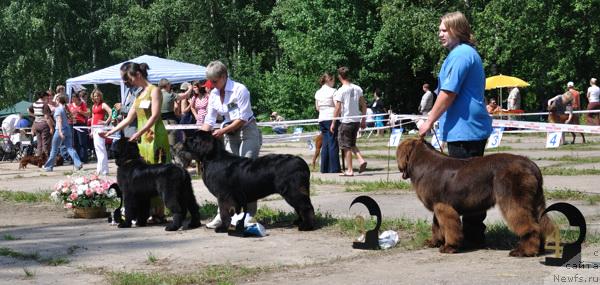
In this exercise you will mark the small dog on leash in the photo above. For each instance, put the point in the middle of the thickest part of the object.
(32, 159)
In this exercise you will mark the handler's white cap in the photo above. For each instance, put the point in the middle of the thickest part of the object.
(570, 84)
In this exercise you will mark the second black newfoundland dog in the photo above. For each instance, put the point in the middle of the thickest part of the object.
(140, 181)
(236, 181)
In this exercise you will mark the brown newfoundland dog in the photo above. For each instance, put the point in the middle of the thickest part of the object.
(452, 187)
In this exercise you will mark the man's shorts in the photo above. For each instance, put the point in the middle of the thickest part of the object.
(347, 135)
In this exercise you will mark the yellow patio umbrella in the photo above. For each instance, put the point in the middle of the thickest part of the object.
(502, 81)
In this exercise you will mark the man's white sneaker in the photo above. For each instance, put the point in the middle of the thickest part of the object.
(215, 222)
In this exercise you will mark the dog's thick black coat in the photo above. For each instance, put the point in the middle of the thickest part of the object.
(236, 181)
(140, 181)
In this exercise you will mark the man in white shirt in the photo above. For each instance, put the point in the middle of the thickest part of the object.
(514, 99)
(231, 100)
(593, 95)
(348, 99)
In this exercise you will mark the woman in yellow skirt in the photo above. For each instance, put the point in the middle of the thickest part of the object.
(151, 134)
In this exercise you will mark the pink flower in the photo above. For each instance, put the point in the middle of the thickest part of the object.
(105, 184)
(89, 192)
(73, 196)
(94, 177)
(100, 190)
(68, 205)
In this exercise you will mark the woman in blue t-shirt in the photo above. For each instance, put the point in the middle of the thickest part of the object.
(62, 135)
(464, 121)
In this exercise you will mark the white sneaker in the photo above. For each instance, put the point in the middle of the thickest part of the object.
(215, 222)
(247, 221)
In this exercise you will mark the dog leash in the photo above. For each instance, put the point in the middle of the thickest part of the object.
(439, 142)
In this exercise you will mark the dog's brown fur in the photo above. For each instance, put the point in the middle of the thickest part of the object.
(452, 187)
(555, 117)
(32, 159)
(39, 160)
(318, 145)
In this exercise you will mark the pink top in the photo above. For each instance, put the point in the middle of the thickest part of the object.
(200, 106)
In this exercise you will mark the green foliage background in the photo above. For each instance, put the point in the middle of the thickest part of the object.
(279, 48)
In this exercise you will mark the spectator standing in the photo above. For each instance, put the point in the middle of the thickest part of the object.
(348, 101)
(576, 103)
(62, 136)
(514, 99)
(80, 113)
(167, 109)
(100, 118)
(593, 95)
(378, 109)
(43, 125)
(426, 100)
(464, 123)
(330, 159)
(199, 102)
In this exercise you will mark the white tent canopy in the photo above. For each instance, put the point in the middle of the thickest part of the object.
(174, 71)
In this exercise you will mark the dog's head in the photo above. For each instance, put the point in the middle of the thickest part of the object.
(202, 145)
(405, 153)
(125, 150)
(180, 156)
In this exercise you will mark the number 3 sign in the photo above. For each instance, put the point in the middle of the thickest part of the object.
(495, 138)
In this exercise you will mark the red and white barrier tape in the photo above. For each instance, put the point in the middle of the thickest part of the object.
(546, 127)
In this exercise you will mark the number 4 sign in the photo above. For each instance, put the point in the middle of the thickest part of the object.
(395, 137)
(495, 138)
(553, 139)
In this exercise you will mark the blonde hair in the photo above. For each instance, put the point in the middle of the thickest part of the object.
(458, 27)
(97, 92)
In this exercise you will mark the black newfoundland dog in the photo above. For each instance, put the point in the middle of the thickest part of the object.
(236, 181)
(140, 181)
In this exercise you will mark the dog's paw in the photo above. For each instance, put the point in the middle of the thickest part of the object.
(448, 249)
(171, 227)
(221, 229)
(193, 225)
(431, 243)
(305, 227)
(519, 252)
(124, 225)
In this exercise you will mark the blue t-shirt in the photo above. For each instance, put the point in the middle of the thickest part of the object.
(462, 74)
(60, 111)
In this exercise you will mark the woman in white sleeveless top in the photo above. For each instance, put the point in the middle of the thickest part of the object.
(330, 160)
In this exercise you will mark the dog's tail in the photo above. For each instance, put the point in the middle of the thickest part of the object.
(546, 225)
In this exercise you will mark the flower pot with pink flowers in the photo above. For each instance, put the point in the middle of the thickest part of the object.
(87, 196)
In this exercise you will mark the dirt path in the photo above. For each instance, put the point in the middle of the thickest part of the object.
(91, 249)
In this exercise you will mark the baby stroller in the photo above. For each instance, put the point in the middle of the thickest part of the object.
(15, 146)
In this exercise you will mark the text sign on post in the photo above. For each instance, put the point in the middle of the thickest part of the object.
(395, 137)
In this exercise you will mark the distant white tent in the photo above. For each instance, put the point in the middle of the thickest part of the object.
(174, 71)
